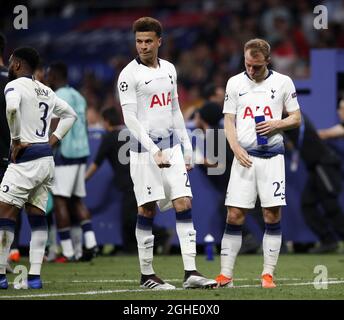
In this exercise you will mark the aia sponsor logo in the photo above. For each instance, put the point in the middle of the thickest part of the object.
(161, 100)
(249, 113)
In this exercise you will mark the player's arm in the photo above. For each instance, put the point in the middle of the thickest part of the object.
(103, 150)
(239, 152)
(336, 131)
(291, 106)
(180, 129)
(67, 118)
(91, 170)
(138, 131)
(271, 127)
(13, 99)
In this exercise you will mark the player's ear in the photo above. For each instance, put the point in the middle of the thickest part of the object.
(159, 41)
(268, 60)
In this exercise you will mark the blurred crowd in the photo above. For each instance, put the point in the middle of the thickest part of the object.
(212, 52)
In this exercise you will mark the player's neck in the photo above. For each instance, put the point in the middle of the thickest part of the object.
(60, 84)
(1, 62)
(151, 63)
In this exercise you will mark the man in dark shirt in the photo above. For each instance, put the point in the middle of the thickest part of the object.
(323, 185)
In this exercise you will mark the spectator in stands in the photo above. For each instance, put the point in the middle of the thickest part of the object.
(320, 197)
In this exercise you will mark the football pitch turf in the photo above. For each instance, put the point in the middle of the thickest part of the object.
(117, 278)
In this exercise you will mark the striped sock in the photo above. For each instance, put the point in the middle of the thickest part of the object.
(230, 247)
(272, 241)
(145, 244)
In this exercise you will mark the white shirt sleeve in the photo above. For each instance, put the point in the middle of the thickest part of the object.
(13, 98)
(230, 103)
(136, 129)
(67, 117)
(290, 97)
(179, 126)
(126, 86)
(174, 79)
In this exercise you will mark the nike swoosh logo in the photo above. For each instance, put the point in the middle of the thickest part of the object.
(273, 250)
(241, 94)
(146, 82)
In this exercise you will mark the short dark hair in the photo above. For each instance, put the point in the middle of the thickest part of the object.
(2, 44)
(29, 55)
(111, 115)
(209, 90)
(147, 24)
(60, 68)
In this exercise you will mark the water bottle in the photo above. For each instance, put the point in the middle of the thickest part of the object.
(261, 140)
(209, 247)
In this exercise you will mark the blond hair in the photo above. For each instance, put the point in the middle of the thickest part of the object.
(257, 46)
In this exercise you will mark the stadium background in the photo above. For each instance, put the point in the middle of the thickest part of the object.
(204, 39)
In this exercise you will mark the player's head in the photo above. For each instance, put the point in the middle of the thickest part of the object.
(57, 75)
(214, 93)
(257, 58)
(111, 118)
(209, 116)
(2, 44)
(40, 72)
(23, 61)
(147, 32)
(340, 109)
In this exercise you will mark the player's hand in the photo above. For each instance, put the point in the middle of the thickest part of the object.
(160, 160)
(17, 146)
(267, 128)
(53, 140)
(242, 156)
(188, 163)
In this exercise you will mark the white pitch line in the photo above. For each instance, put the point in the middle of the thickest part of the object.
(47, 295)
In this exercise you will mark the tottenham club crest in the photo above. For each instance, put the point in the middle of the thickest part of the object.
(123, 86)
(273, 93)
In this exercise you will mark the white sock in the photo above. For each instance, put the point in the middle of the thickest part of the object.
(90, 239)
(6, 239)
(271, 249)
(187, 240)
(67, 248)
(38, 242)
(145, 245)
(230, 247)
(76, 237)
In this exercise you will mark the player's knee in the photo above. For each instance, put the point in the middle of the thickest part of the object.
(236, 217)
(147, 210)
(272, 215)
(182, 204)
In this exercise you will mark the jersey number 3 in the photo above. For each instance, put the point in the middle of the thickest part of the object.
(45, 108)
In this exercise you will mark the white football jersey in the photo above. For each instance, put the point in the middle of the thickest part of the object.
(246, 99)
(152, 90)
(37, 103)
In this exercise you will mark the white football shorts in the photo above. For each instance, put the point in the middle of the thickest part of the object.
(28, 182)
(265, 178)
(163, 185)
(69, 181)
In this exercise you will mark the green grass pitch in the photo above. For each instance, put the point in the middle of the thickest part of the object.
(117, 278)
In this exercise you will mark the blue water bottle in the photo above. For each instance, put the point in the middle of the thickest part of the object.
(209, 247)
(261, 140)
